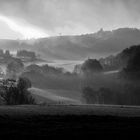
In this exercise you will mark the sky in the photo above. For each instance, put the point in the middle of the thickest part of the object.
(26, 19)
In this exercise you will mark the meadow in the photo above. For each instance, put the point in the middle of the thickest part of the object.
(63, 121)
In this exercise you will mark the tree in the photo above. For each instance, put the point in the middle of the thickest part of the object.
(90, 95)
(34, 67)
(105, 96)
(89, 69)
(16, 92)
(132, 70)
(24, 83)
(7, 54)
(91, 66)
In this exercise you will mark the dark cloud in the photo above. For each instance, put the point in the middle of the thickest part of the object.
(73, 16)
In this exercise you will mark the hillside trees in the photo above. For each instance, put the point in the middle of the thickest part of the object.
(132, 69)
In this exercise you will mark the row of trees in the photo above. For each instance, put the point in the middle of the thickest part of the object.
(101, 96)
(127, 95)
(45, 69)
(26, 54)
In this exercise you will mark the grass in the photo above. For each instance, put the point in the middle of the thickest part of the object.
(68, 121)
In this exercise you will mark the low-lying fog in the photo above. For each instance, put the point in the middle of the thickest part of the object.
(68, 65)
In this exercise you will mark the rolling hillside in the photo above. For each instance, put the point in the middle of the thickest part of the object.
(102, 43)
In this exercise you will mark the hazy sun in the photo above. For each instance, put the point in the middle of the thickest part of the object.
(26, 31)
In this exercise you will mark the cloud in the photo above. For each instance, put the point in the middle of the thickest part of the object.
(73, 16)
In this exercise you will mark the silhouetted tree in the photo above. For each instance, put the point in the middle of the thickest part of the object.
(92, 66)
(16, 92)
(132, 70)
(105, 96)
(89, 68)
(24, 83)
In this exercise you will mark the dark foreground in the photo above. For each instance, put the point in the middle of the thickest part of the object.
(26, 122)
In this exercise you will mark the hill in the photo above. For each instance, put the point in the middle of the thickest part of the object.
(102, 43)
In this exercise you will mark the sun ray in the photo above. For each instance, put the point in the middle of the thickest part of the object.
(27, 32)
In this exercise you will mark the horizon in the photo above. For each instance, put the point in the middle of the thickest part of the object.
(67, 35)
(20, 19)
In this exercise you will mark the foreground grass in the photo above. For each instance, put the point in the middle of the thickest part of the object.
(49, 121)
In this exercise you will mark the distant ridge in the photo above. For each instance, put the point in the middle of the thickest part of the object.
(99, 44)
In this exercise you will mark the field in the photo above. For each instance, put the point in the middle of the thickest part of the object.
(69, 121)
(60, 111)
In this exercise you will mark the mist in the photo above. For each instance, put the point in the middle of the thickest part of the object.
(72, 17)
(69, 68)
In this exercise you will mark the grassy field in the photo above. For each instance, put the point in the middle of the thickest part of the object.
(67, 121)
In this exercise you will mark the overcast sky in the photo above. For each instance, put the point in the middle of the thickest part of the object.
(40, 18)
